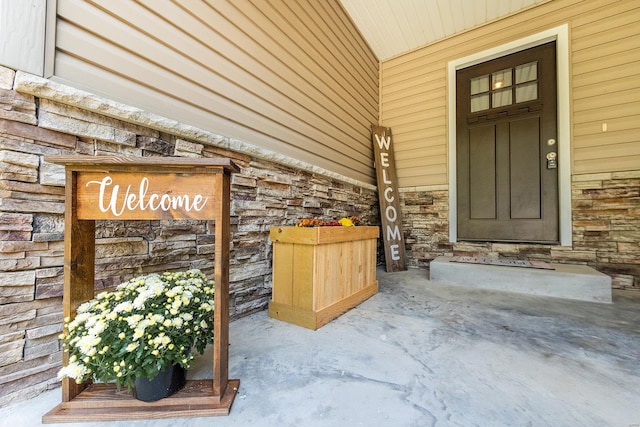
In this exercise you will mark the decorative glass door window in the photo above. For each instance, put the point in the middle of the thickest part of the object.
(501, 88)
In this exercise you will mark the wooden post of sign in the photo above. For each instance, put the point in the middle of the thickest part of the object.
(221, 308)
(389, 199)
(123, 188)
(79, 269)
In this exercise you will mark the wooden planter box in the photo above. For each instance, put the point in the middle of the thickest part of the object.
(321, 272)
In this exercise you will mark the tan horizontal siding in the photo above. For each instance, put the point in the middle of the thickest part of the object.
(422, 129)
(597, 115)
(609, 87)
(626, 123)
(606, 35)
(426, 140)
(625, 163)
(346, 45)
(623, 150)
(605, 79)
(596, 78)
(430, 92)
(428, 172)
(425, 111)
(290, 77)
(603, 59)
(606, 70)
(409, 157)
(609, 104)
(612, 137)
(436, 96)
(612, 48)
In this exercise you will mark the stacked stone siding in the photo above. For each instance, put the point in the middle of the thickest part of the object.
(264, 194)
(606, 229)
(606, 224)
(425, 217)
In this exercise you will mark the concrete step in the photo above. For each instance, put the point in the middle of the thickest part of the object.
(579, 282)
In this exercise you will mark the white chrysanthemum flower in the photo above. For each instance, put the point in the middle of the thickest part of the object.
(138, 333)
(153, 283)
(73, 370)
(91, 321)
(82, 308)
(161, 340)
(134, 320)
(138, 303)
(87, 344)
(82, 318)
(125, 306)
(72, 325)
(98, 327)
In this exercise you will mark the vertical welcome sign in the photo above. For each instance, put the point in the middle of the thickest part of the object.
(394, 250)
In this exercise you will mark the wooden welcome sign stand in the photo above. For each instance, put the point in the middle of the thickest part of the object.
(157, 188)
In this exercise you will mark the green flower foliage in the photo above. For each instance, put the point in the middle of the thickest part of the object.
(141, 327)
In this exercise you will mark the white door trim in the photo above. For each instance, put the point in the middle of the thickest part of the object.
(561, 36)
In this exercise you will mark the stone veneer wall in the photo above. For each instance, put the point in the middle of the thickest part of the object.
(606, 229)
(265, 193)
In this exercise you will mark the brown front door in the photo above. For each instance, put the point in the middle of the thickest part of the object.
(507, 176)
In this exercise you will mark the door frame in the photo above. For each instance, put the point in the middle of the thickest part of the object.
(561, 35)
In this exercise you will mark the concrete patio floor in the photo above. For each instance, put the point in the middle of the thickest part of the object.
(421, 353)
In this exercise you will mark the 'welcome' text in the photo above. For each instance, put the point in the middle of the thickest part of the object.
(111, 198)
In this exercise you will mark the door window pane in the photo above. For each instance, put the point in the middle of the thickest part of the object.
(480, 102)
(501, 79)
(480, 84)
(501, 98)
(526, 72)
(527, 92)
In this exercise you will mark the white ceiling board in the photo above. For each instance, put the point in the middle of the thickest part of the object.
(394, 27)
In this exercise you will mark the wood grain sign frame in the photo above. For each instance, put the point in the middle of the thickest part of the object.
(154, 188)
(389, 198)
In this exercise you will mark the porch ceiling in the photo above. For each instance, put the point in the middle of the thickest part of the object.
(394, 27)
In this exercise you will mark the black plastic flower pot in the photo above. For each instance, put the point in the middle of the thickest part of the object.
(166, 383)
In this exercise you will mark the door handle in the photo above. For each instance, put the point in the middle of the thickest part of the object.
(552, 160)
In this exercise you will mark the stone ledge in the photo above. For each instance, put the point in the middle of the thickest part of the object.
(29, 84)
